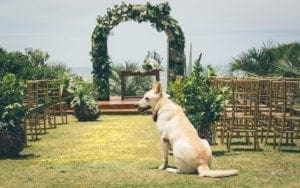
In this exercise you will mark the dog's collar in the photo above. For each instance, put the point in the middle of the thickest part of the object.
(155, 109)
(154, 116)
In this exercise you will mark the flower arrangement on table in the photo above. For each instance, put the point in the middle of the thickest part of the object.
(152, 62)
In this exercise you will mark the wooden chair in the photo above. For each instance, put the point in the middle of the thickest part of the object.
(42, 96)
(219, 128)
(53, 94)
(60, 109)
(243, 121)
(30, 124)
(286, 124)
(265, 110)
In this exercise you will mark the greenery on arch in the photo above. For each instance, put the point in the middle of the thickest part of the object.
(159, 17)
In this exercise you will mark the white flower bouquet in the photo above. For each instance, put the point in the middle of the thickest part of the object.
(151, 64)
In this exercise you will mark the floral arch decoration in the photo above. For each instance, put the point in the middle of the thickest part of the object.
(159, 17)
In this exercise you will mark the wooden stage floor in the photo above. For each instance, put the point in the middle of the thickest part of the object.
(115, 105)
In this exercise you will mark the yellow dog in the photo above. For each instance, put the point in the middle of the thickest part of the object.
(191, 153)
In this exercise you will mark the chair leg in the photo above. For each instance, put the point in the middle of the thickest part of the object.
(261, 136)
(287, 138)
(280, 141)
(45, 122)
(274, 140)
(229, 138)
(267, 135)
(214, 134)
(66, 118)
(247, 138)
(222, 137)
(256, 141)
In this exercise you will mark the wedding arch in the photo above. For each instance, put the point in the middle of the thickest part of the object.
(159, 17)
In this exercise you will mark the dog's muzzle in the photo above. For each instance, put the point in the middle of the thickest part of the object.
(144, 109)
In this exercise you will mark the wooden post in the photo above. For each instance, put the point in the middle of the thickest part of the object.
(123, 86)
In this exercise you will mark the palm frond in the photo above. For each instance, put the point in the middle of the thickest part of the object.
(269, 60)
(286, 69)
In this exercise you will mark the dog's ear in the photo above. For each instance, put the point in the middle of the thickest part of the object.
(154, 84)
(157, 88)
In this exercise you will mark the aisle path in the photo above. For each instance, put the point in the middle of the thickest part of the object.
(109, 139)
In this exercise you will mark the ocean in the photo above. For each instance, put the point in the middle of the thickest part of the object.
(86, 73)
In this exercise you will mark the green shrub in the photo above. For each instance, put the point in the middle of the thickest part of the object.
(12, 136)
(11, 93)
(202, 104)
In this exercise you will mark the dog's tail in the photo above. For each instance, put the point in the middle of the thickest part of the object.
(218, 173)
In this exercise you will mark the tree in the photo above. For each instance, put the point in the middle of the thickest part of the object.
(37, 57)
(13, 62)
(280, 60)
(287, 60)
(31, 65)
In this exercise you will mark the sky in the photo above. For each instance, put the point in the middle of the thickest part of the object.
(220, 29)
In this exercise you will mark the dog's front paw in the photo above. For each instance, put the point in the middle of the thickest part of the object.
(162, 167)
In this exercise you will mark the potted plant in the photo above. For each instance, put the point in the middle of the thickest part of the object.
(84, 105)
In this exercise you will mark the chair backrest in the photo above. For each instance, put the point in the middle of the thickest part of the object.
(245, 96)
(54, 92)
(31, 94)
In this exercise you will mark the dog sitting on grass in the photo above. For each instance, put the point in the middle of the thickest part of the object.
(191, 153)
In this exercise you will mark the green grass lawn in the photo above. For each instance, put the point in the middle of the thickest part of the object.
(124, 151)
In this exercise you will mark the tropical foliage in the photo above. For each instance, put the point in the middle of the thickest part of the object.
(158, 16)
(134, 85)
(12, 136)
(202, 103)
(269, 60)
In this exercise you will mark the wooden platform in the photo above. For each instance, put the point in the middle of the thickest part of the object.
(117, 106)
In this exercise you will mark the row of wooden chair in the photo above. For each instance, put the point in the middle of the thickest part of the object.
(38, 93)
(259, 108)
